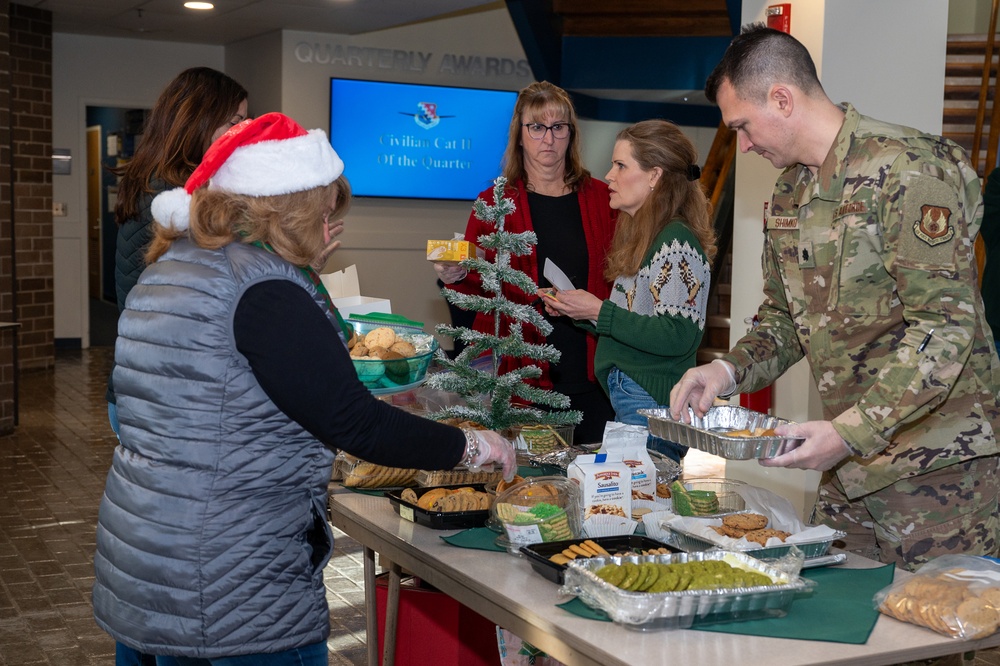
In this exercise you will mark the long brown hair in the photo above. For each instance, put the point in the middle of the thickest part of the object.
(660, 143)
(177, 133)
(539, 97)
(291, 224)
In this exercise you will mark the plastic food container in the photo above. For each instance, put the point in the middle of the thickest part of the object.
(727, 491)
(539, 553)
(645, 611)
(539, 509)
(356, 473)
(397, 375)
(710, 433)
(453, 477)
(541, 439)
(438, 520)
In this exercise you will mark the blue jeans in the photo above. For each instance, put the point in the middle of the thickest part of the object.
(113, 417)
(310, 655)
(126, 656)
(627, 397)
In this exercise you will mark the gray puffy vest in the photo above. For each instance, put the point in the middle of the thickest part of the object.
(214, 495)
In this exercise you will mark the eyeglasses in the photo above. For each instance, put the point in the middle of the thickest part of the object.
(537, 130)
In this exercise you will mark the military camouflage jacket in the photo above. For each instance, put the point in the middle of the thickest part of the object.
(869, 273)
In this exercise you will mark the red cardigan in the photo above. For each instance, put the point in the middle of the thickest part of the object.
(598, 228)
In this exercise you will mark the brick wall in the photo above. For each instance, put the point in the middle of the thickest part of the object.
(30, 46)
(26, 281)
(8, 382)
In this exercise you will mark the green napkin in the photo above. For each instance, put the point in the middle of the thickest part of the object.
(479, 538)
(840, 609)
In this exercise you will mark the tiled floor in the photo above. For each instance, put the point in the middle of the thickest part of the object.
(52, 472)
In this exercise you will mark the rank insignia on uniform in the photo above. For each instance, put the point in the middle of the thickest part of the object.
(933, 227)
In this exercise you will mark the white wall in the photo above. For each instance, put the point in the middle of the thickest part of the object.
(256, 64)
(98, 71)
(968, 16)
(387, 238)
(289, 72)
(896, 80)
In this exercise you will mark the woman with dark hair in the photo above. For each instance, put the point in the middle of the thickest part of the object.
(556, 197)
(235, 388)
(194, 110)
(650, 328)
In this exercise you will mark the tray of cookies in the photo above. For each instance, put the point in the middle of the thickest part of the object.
(747, 532)
(356, 473)
(651, 592)
(444, 507)
(550, 559)
(728, 431)
(454, 477)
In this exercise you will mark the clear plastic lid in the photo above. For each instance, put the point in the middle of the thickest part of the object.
(538, 509)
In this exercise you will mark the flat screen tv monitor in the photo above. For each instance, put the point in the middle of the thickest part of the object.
(417, 141)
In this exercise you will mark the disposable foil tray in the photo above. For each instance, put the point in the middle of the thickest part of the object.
(695, 543)
(709, 433)
(644, 611)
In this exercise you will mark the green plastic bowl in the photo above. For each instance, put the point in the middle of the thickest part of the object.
(383, 377)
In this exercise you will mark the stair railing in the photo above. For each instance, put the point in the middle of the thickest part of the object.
(994, 136)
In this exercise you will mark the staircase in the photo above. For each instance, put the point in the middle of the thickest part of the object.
(966, 55)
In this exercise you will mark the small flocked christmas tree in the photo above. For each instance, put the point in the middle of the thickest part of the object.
(507, 396)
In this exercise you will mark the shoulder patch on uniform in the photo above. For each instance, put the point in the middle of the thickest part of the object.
(934, 226)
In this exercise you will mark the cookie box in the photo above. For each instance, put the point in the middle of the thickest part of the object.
(694, 542)
(710, 433)
(451, 477)
(438, 520)
(647, 611)
(539, 553)
(356, 473)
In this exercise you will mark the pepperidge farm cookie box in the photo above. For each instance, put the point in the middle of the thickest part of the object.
(605, 484)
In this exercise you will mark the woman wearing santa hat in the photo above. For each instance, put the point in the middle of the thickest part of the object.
(234, 386)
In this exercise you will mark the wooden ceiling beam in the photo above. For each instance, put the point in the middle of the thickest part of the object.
(646, 26)
(624, 7)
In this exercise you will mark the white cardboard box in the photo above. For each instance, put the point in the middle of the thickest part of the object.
(346, 294)
(351, 305)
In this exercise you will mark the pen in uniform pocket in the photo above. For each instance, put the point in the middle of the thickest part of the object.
(923, 343)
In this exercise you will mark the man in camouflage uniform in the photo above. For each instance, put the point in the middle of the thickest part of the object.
(869, 273)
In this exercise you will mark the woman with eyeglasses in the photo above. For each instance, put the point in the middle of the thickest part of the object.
(569, 211)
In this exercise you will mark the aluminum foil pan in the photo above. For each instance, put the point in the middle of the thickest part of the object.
(708, 433)
(695, 543)
(644, 611)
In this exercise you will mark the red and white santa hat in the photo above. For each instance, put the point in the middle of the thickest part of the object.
(265, 156)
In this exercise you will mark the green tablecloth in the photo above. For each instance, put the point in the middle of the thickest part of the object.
(479, 538)
(840, 609)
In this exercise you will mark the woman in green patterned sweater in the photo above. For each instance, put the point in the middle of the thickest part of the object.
(650, 328)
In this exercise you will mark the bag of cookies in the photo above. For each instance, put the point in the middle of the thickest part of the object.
(629, 442)
(954, 595)
(605, 484)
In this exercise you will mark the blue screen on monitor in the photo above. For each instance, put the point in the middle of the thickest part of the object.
(417, 141)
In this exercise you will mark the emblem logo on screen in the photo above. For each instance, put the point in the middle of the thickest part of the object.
(428, 117)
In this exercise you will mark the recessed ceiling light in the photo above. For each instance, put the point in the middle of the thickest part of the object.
(199, 5)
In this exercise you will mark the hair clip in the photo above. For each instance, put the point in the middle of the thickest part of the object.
(694, 172)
